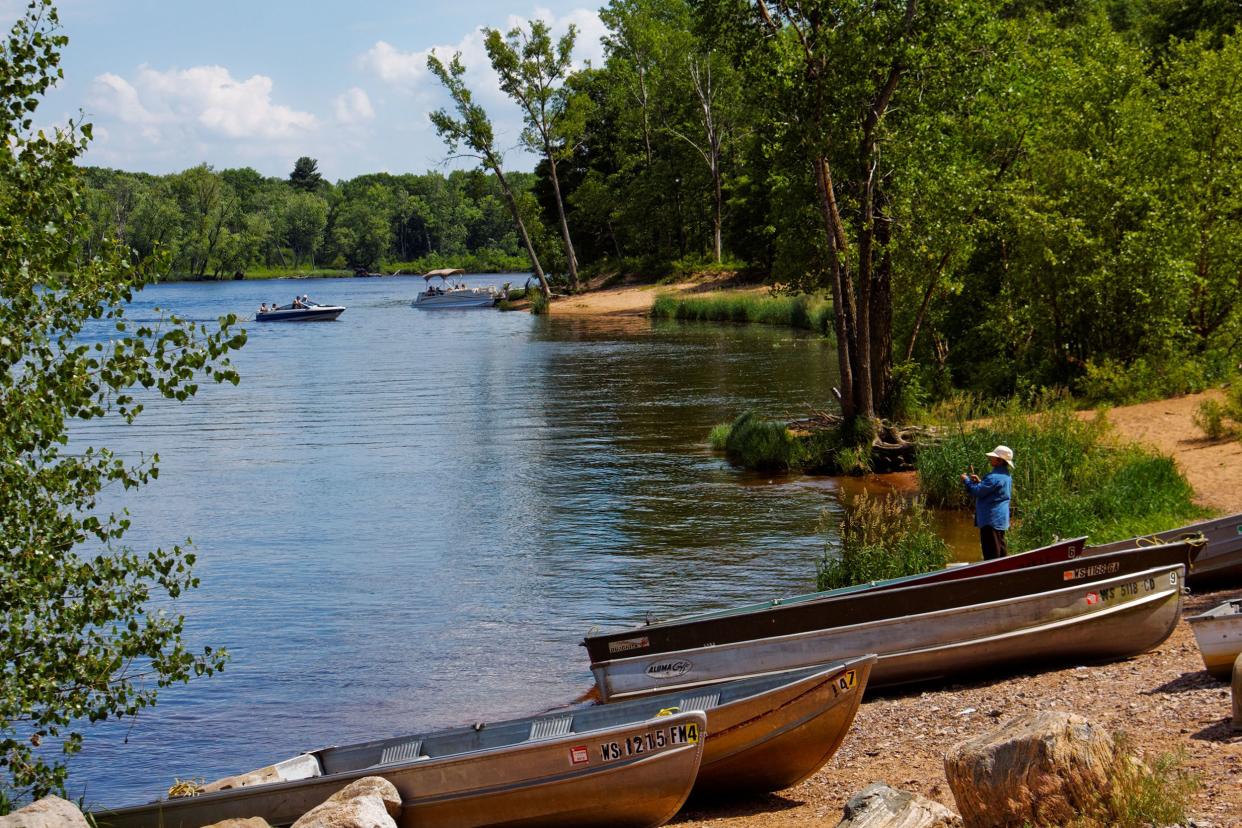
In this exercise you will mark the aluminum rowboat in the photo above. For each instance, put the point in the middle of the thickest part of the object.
(542, 771)
(770, 732)
(1220, 560)
(1218, 632)
(1099, 608)
(1059, 552)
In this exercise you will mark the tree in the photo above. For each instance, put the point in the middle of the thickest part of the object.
(305, 175)
(303, 220)
(847, 68)
(532, 72)
(472, 130)
(87, 631)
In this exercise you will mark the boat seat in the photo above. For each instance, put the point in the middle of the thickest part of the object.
(550, 728)
(704, 703)
(403, 752)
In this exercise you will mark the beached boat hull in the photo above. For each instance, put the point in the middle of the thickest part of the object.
(1220, 560)
(1106, 607)
(1218, 632)
(636, 775)
(770, 732)
(323, 313)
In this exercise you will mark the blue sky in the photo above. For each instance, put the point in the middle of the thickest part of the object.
(172, 84)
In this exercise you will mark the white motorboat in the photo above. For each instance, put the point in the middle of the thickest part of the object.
(449, 295)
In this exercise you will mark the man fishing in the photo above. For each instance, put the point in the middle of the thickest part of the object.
(991, 494)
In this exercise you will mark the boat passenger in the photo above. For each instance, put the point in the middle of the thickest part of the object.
(263, 308)
(992, 494)
(297, 302)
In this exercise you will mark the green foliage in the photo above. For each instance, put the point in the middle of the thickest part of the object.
(756, 443)
(89, 633)
(791, 311)
(539, 304)
(1071, 477)
(881, 537)
(1108, 380)
(718, 438)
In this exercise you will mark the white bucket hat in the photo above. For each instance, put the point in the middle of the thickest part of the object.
(1003, 453)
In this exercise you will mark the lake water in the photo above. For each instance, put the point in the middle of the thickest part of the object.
(406, 519)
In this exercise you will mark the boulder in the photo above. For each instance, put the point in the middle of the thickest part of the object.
(370, 802)
(251, 822)
(1043, 769)
(48, 812)
(879, 806)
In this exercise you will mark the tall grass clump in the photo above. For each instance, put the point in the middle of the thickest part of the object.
(881, 537)
(538, 302)
(1071, 477)
(1218, 419)
(719, 436)
(756, 443)
(801, 312)
(1143, 794)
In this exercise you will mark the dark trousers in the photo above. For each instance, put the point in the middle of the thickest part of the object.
(993, 542)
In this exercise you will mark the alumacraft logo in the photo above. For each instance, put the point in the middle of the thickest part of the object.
(669, 669)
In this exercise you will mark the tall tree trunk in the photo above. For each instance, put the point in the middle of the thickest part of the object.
(840, 302)
(882, 314)
(570, 257)
(521, 226)
(717, 217)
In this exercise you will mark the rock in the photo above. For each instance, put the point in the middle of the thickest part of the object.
(48, 812)
(879, 806)
(252, 822)
(1043, 769)
(370, 802)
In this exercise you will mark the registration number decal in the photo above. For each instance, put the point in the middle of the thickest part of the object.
(579, 755)
(651, 741)
(1122, 591)
(627, 644)
(1092, 571)
(845, 682)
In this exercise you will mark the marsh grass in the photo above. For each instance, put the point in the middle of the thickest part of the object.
(884, 536)
(801, 312)
(1071, 477)
(757, 443)
(719, 436)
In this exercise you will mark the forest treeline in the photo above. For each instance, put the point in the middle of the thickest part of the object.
(211, 224)
(1002, 196)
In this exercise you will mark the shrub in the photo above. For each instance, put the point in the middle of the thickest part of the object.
(756, 443)
(539, 303)
(882, 537)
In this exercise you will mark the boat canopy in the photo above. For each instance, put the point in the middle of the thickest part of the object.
(443, 273)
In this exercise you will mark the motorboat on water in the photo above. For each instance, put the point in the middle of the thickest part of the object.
(301, 311)
(449, 295)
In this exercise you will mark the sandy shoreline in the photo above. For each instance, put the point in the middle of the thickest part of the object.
(1163, 698)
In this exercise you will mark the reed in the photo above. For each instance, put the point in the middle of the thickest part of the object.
(1071, 477)
(881, 537)
(803, 312)
(753, 442)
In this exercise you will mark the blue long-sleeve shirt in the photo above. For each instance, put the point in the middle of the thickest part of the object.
(991, 495)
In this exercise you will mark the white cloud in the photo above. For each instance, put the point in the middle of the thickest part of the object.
(353, 106)
(206, 96)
